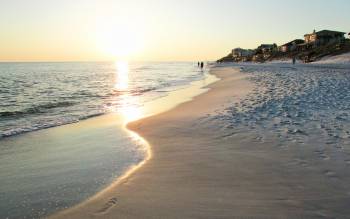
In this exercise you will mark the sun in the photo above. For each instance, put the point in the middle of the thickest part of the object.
(119, 40)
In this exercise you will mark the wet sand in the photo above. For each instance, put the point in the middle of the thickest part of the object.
(182, 171)
(197, 169)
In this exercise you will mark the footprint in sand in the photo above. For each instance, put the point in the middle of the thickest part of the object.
(108, 205)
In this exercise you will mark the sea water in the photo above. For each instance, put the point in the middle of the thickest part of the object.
(43, 171)
(35, 96)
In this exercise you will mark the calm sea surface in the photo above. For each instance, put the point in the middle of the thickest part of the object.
(45, 171)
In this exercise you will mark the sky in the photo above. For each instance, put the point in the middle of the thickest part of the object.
(156, 30)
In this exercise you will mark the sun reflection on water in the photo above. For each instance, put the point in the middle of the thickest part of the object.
(122, 74)
(129, 108)
(129, 105)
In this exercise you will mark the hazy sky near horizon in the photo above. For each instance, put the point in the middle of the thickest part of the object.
(156, 30)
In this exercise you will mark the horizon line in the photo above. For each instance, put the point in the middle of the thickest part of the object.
(56, 61)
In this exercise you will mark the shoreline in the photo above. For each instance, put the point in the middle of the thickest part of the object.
(102, 203)
(90, 155)
(150, 109)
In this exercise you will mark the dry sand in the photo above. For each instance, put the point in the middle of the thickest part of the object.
(195, 172)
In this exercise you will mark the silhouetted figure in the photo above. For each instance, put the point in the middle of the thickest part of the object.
(198, 64)
(294, 60)
(202, 65)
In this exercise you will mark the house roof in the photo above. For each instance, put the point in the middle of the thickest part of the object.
(296, 41)
(266, 45)
(325, 32)
(303, 44)
(241, 50)
(237, 49)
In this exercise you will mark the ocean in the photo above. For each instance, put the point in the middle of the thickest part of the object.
(42, 172)
(35, 96)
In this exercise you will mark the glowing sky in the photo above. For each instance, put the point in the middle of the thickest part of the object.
(156, 30)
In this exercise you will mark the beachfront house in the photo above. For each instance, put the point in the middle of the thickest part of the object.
(324, 37)
(239, 52)
(291, 46)
(265, 51)
(258, 58)
(267, 48)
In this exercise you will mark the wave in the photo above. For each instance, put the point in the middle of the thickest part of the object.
(40, 126)
(36, 109)
(133, 92)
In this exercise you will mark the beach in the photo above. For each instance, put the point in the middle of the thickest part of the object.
(65, 140)
(180, 173)
(174, 109)
(199, 168)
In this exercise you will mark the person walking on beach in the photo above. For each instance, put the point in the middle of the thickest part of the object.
(202, 65)
(198, 64)
(294, 60)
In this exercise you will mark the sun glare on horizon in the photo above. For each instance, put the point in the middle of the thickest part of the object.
(120, 40)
